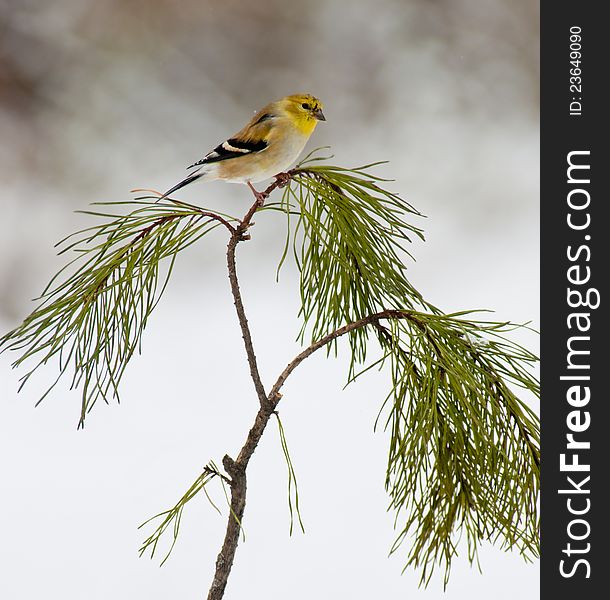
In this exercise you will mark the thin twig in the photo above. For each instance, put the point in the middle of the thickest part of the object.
(237, 468)
(239, 235)
(275, 396)
(216, 217)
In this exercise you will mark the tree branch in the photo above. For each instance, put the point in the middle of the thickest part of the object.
(237, 468)
(240, 234)
(353, 236)
(268, 403)
(275, 396)
(237, 237)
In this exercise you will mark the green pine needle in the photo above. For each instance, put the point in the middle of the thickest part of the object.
(172, 517)
(293, 487)
(464, 448)
(464, 458)
(93, 319)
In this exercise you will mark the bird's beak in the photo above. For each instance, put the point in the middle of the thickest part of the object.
(318, 114)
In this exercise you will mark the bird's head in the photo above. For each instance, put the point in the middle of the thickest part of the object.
(304, 109)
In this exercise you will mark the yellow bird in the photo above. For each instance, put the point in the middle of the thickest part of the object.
(270, 142)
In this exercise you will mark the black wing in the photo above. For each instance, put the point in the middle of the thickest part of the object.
(232, 148)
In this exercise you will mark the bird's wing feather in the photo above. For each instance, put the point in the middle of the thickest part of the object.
(253, 138)
(232, 148)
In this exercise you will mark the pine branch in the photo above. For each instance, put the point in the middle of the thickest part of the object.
(239, 234)
(94, 319)
(463, 447)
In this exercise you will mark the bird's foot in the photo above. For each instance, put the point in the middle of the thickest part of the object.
(282, 179)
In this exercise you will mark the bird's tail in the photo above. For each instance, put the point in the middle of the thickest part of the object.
(192, 177)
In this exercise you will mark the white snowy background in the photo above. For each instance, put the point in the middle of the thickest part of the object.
(101, 96)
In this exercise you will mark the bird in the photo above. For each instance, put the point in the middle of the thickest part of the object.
(266, 146)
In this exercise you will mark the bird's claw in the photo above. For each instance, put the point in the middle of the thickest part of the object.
(282, 179)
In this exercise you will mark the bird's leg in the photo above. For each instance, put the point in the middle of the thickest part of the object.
(260, 196)
(282, 179)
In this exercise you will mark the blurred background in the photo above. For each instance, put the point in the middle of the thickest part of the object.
(101, 96)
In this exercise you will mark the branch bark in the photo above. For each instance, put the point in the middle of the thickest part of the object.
(236, 469)
(240, 234)
(268, 403)
(370, 320)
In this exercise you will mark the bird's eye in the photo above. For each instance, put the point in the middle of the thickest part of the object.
(306, 106)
